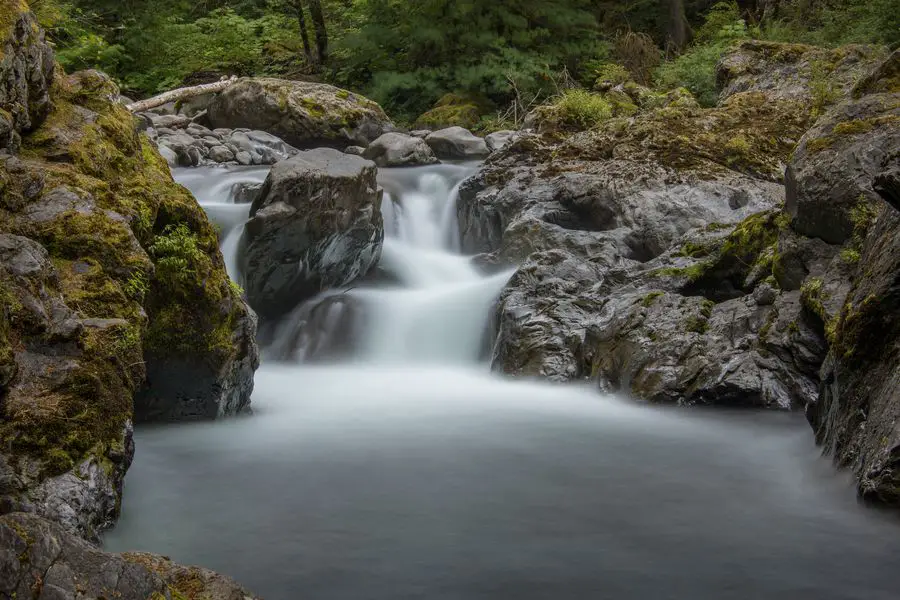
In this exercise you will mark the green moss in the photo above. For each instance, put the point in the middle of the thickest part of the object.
(696, 325)
(819, 144)
(650, 298)
(691, 273)
(453, 110)
(342, 94)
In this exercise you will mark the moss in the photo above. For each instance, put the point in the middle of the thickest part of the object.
(10, 11)
(696, 325)
(453, 110)
(650, 298)
(342, 94)
(691, 273)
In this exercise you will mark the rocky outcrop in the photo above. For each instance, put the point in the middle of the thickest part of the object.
(303, 114)
(315, 225)
(27, 67)
(109, 271)
(399, 150)
(457, 143)
(186, 143)
(40, 559)
(856, 414)
(498, 140)
(798, 72)
(829, 181)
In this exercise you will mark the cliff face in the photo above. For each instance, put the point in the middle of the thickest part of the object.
(113, 291)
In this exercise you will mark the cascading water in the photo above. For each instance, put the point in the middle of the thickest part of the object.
(400, 469)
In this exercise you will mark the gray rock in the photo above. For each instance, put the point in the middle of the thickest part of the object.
(220, 154)
(303, 114)
(40, 557)
(399, 150)
(174, 122)
(354, 150)
(316, 225)
(457, 143)
(829, 180)
(245, 193)
(498, 140)
(243, 158)
(420, 133)
(167, 153)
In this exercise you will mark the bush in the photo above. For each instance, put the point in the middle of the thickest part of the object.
(696, 68)
(580, 109)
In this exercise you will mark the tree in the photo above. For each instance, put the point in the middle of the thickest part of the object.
(318, 19)
(678, 30)
(304, 35)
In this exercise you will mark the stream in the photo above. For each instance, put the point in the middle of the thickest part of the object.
(384, 460)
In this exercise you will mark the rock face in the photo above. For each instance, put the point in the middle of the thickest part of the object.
(27, 72)
(315, 225)
(457, 143)
(40, 559)
(305, 115)
(399, 150)
(795, 71)
(656, 259)
(830, 179)
(109, 272)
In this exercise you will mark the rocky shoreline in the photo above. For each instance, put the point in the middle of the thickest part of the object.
(745, 255)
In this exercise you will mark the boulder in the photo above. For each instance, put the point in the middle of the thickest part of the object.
(457, 143)
(830, 177)
(399, 150)
(498, 140)
(41, 559)
(303, 114)
(315, 225)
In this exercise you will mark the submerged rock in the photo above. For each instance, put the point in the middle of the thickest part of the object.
(399, 150)
(304, 114)
(457, 143)
(41, 559)
(316, 225)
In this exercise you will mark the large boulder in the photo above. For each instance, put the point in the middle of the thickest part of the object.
(303, 114)
(315, 225)
(457, 143)
(829, 179)
(40, 559)
(399, 150)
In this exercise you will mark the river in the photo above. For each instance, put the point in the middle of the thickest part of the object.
(384, 461)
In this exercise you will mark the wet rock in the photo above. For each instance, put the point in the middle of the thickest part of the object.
(354, 150)
(399, 150)
(316, 225)
(220, 154)
(40, 559)
(245, 193)
(304, 114)
(457, 143)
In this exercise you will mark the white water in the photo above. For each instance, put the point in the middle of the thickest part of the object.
(407, 471)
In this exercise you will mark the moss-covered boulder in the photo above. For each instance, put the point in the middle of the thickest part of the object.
(116, 305)
(303, 114)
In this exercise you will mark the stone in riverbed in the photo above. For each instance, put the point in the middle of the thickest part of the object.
(457, 143)
(497, 140)
(315, 225)
(399, 150)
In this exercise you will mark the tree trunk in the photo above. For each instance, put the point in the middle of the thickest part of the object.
(304, 34)
(318, 18)
(180, 94)
(678, 30)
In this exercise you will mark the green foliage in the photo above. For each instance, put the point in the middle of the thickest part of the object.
(837, 23)
(177, 252)
(696, 68)
(580, 109)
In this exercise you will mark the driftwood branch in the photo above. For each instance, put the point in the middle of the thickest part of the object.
(180, 94)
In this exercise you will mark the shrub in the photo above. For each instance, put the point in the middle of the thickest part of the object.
(580, 109)
(696, 68)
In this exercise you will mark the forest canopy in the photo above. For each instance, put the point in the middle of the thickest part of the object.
(408, 55)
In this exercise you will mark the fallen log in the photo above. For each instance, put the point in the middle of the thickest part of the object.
(180, 94)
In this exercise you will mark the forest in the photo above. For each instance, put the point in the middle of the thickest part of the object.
(489, 60)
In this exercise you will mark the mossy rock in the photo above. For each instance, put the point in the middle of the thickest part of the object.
(455, 110)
